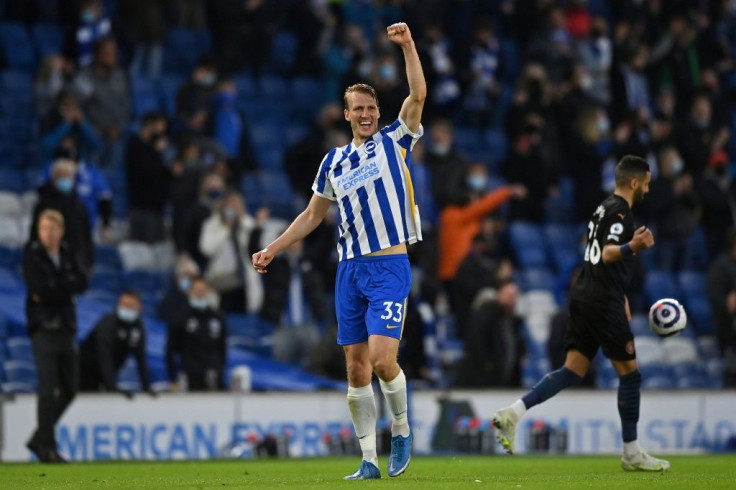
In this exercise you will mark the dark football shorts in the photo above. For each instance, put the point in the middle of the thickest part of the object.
(594, 326)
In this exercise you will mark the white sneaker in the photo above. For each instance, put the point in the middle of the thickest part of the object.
(642, 461)
(505, 429)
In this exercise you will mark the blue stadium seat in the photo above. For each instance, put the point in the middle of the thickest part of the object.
(276, 193)
(17, 46)
(269, 156)
(9, 282)
(48, 38)
(19, 349)
(294, 133)
(536, 278)
(307, 94)
(182, 48)
(10, 257)
(145, 96)
(699, 315)
(247, 87)
(528, 243)
(20, 371)
(108, 257)
(640, 326)
(143, 281)
(273, 87)
(103, 296)
(497, 145)
(692, 284)
(250, 332)
(168, 87)
(284, 48)
(657, 376)
(659, 284)
(561, 235)
(12, 179)
(106, 279)
(696, 256)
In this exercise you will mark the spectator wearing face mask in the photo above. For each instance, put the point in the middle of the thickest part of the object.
(92, 25)
(113, 338)
(58, 193)
(90, 184)
(228, 237)
(673, 207)
(211, 192)
(196, 345)
(193, 98)
(460, 221)
(148, 179)
(445, 164)
(700, 136)
(175, 301)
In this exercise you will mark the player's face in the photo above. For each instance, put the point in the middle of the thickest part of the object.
(642, 188)
(363, 115)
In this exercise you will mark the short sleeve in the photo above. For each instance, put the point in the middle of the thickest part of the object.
(322, 185)
(402, 135)
(615, 228)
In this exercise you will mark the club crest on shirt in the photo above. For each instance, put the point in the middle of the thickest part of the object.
(370, 146)
(215, 328)
(135, 337)
(192, 324)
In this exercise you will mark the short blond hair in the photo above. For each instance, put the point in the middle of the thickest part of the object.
(361, 88)
(52, 215)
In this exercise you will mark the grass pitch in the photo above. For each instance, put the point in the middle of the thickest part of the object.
(546, 472)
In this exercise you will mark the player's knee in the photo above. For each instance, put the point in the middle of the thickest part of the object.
(359, 374)
(385, 368)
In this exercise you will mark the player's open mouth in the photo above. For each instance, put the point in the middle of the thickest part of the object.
(365, 123)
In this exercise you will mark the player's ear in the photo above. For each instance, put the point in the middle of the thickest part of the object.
(347, 114)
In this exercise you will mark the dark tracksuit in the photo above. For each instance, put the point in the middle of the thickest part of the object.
(52, 326)
(198, 339)
(105, 350)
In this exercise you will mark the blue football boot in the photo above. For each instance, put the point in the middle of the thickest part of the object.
(400, 454)
(367, 471)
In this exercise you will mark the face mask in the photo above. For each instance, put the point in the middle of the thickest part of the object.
(64, 185)
(208, 79)
(701, 123)
(127, 315)
(88, 16)
(476, 182)
(604, 125)
(215, 194)
(678, 166)
(199, 303)
(228, 213)
(388, 71)
(441, 149)
(184, 284)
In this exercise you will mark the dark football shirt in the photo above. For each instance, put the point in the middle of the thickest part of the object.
(599, 283)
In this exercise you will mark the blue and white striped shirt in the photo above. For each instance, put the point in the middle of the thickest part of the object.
(372, 187)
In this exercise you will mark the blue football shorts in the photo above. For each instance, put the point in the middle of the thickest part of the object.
(370, 297)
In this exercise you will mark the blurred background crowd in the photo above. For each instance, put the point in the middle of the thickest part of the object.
(177, 137)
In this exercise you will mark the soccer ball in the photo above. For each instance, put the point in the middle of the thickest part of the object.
(667, 317)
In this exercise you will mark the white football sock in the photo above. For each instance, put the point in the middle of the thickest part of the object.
(518, 409)
(362, 407)
(395, 393)
(631, 448)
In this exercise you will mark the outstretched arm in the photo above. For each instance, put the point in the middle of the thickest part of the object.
(411, 110)
(302, 226)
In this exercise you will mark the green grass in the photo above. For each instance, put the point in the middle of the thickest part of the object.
(549, 473)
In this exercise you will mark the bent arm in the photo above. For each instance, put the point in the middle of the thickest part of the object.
(411, 109)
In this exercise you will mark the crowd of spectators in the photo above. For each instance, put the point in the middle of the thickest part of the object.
(570, 86)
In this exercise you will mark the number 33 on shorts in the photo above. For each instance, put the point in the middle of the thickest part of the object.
(394, 312)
